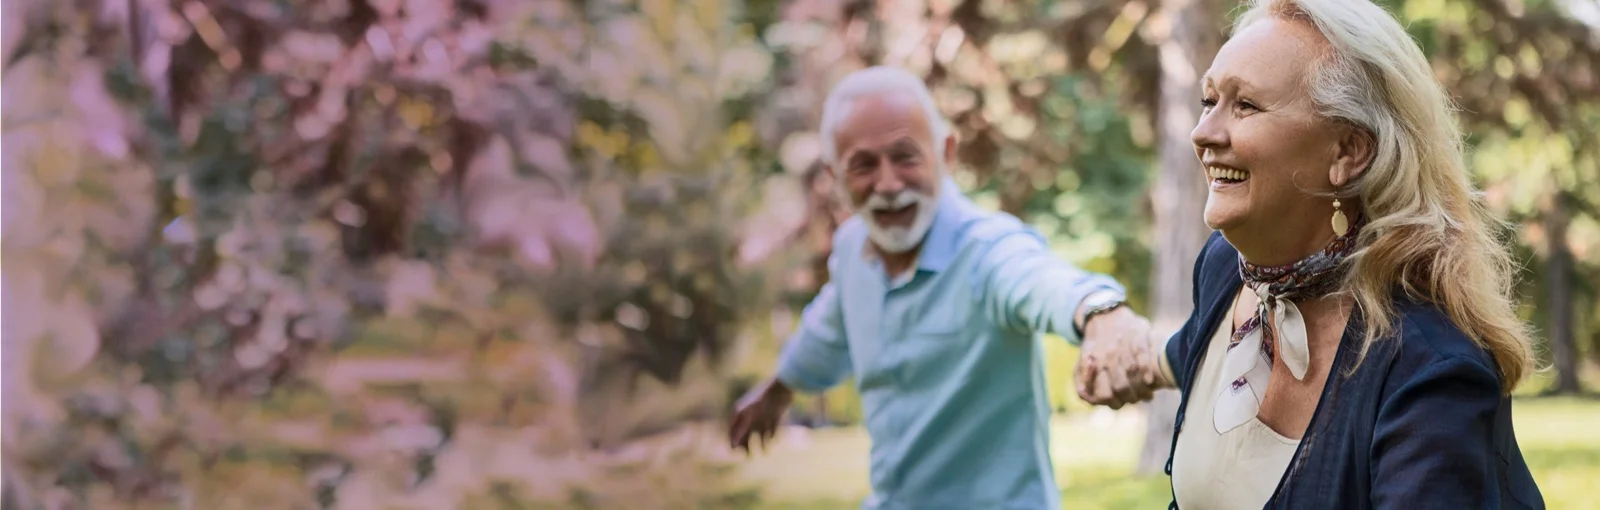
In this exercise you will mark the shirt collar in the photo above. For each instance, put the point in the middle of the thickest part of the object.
(942, 243)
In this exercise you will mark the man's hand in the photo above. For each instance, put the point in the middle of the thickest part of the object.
(758, 412)
(1118, 363)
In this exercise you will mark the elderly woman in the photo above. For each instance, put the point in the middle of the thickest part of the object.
(1353, 343)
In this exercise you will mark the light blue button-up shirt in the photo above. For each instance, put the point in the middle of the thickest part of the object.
(947, 358)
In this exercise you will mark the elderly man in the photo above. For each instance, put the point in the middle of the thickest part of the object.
(935, 307)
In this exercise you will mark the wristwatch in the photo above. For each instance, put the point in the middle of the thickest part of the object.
(1096, 304)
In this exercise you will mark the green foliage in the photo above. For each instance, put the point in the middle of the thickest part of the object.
(1523, 77)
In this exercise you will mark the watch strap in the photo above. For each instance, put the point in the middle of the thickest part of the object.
(1097, 309)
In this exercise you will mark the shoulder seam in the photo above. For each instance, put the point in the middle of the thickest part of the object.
(1444, 357)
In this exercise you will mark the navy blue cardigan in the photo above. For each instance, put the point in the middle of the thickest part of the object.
(1420, 424)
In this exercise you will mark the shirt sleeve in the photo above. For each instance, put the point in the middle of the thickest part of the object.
(1432, 446)
(817, 357)
(1026, 287)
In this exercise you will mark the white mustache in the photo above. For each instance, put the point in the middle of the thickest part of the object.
(892, 202)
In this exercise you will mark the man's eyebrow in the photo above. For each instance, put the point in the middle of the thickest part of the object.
(862, 155)
(902, 144)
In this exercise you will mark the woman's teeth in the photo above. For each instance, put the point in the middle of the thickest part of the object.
(1226, 173)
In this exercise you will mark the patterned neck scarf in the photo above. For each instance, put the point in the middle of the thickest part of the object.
(1277, 328)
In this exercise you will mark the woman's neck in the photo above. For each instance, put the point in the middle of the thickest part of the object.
(1326, 319)
(1279, 247)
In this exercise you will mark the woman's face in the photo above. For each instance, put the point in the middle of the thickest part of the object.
(1263, 147)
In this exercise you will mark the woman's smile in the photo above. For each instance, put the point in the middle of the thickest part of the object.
(1222, 178)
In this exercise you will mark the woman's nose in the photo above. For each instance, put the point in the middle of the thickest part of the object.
(1209, 132)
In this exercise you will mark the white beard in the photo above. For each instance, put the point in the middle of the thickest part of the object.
(899, 239)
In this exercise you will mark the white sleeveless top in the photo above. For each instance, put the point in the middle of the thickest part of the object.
(1239, 468)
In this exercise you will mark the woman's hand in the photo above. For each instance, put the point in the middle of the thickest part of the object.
(1120, 362)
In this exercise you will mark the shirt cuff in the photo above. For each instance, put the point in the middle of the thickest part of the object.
(792, 375)
(1165, 360)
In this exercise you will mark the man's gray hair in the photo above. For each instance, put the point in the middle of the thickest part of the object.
(870, 82)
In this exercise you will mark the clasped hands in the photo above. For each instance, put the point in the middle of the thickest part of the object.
(1119, 362)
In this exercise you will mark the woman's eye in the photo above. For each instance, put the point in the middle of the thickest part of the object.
(1247, 105)
(1207, 103)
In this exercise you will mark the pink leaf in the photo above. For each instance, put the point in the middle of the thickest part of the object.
(101, 119)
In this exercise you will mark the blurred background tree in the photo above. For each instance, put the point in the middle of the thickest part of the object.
(1526, 76)
(420, 254)
(500, 254)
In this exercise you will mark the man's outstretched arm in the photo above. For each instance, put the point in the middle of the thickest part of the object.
(1030, 288)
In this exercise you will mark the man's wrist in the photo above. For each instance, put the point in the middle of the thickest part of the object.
(776, 386)
(1094, 304)
(769, 389)
(787, 377)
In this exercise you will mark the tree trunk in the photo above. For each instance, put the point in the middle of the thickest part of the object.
(1559, 274)
(1594, 340)
(1179, 193)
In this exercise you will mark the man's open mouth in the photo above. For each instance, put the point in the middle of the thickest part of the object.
(900, 216)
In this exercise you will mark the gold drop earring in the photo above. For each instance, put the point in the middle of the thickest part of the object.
(1341, 225)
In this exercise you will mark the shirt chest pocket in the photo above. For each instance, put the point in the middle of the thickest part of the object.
(933, 345)
(936, 322)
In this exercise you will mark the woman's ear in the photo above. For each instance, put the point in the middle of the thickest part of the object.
(1357, 149)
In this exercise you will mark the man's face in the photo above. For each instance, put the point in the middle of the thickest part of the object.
(889, 168)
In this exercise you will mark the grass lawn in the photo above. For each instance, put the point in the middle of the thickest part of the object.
(1095, 454)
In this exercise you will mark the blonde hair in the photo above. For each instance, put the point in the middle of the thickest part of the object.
(1426, 227)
